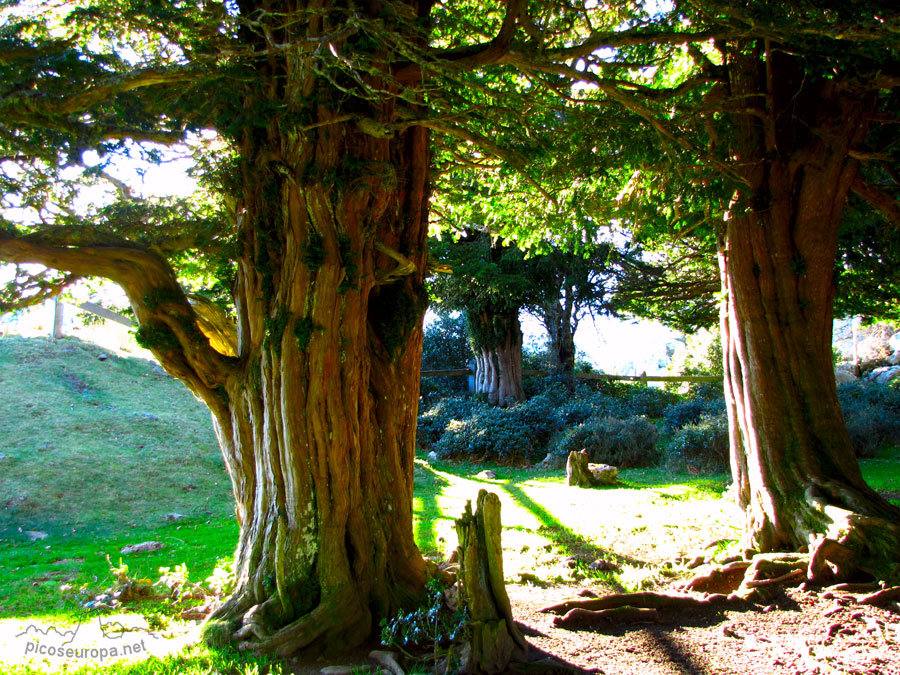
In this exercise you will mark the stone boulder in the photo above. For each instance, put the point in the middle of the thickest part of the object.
(143, 547)
(604, 474)
(884, 374)
(844, 376)
(580, 473)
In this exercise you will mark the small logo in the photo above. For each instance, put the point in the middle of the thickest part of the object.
(93, 641)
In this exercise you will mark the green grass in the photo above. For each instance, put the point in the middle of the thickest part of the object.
(95, 454)
(883, 473)
(96, 447)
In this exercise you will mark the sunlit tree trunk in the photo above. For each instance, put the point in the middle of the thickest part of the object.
(796, 474)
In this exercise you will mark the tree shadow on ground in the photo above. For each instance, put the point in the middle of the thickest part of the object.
(428, 513)
(572, 543)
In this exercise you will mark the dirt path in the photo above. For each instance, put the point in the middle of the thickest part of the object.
(802, 632)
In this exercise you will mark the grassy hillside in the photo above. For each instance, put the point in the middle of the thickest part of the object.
(95, 446)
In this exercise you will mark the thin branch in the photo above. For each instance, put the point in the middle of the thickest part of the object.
(489, 146)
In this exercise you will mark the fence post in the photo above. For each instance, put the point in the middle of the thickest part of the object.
(57, 318)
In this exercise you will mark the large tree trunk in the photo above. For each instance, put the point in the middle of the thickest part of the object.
(796, 474)
(497, 339)
(318, 428)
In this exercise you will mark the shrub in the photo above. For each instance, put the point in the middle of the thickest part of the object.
(445, 344)
(648, 401)
(511, 435)
(622, 442)
(689, 411)
(433, 389)
(872, 416)
(436, 418)
(700, 447)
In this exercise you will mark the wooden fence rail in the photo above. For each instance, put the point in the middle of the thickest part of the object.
(643, 377)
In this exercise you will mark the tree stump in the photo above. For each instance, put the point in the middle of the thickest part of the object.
(495, 641)
(578, 473)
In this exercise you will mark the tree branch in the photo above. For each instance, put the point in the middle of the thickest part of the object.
(152, 289)
(877, 197)
(470, 55)
(116, 84)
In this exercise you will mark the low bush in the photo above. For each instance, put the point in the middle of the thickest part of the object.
(691, 410)
(479, 432)
(436, 418)
(699, 447)
(622, 442)
(872, 416)
(433, 389)
(648, 401)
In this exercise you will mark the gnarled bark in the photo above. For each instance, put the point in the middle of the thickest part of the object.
(796, 474)
(498, 356)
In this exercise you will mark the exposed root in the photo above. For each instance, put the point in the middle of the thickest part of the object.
(626, 607)
(645, 599)
(794, 575)
(768, 572)
(882, 597)
(723, 579)
(333, 620)
(829, 561)
(584, 618)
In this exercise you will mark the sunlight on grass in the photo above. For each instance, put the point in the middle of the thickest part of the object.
(553, 532)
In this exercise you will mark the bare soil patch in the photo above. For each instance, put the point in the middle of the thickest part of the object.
(800, 632)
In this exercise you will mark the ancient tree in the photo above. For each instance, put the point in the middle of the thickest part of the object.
(311, 133)
(774, 114)
(485, 280)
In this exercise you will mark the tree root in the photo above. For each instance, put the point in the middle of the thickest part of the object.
(722, 579)
(626, 608)
(734, 584)
(882, 597)
(332, 621)
(585, 618)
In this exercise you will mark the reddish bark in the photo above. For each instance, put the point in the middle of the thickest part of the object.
(796, 473)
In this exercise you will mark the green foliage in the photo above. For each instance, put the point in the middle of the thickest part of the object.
(445, 345)
(624, 443)
(872, 416)
(647, 401)
(156, 335)
(700, 446)
(434, 419)
(487, 283)
(690, 410)
(433, 624)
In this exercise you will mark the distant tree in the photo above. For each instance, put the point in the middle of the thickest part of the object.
(487, 283)
(567, 286)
